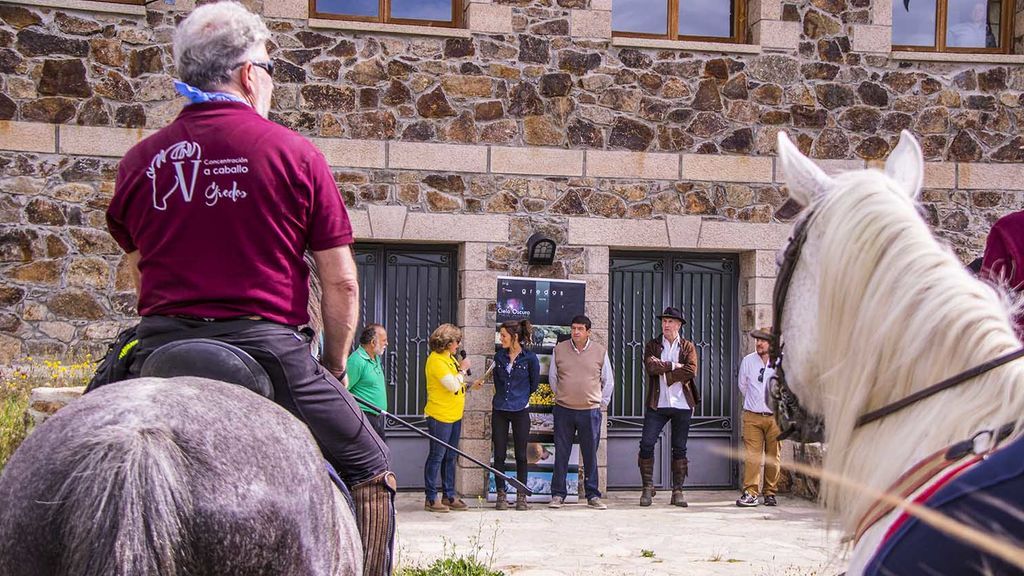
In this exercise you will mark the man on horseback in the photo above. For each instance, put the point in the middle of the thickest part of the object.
(215, 212)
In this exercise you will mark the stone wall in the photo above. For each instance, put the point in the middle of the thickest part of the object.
(550, 82)
(532, 118)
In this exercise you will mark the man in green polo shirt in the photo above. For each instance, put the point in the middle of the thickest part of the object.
(365, 374)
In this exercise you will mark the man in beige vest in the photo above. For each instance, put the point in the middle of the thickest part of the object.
(581, 378)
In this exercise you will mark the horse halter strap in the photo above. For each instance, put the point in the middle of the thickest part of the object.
(793, 419)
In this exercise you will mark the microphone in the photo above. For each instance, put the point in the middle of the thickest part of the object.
(462, 356)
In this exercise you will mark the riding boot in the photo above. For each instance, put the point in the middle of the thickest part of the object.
(501, 501)
(521, 501)
(647, 480)
(680, 469)
(375, 512)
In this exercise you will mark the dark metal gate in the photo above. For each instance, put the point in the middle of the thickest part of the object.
(705, 287)
(410, 291)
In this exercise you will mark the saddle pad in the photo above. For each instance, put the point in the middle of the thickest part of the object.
(989, 497)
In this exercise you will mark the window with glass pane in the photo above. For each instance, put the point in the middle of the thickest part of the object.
(640, 16)
(423, 12)
(695, 19)
(951, 25)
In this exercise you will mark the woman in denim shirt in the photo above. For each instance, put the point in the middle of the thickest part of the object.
(516, 375)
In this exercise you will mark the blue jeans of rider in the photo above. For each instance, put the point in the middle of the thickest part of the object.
(441, 459)
(567, 423)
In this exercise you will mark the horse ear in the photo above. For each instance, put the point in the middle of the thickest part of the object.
(805, 180)
(905, 165)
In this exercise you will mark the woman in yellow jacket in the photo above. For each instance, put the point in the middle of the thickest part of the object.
(446, 399)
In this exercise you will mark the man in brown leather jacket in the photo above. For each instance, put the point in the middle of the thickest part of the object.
(671, 364)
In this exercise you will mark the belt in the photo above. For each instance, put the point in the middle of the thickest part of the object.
(759, 413)
(201, 319)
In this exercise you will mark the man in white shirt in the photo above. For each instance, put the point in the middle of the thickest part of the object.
(581, 378)
(671, 365)
(760, 431)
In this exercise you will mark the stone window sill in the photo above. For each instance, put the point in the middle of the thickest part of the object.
(389, 28)
(958, 57)
(687, 45)
(87, 6)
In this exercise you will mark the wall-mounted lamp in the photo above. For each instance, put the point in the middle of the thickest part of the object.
(540, 249)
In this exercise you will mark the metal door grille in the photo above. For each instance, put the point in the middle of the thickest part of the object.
(411, 292)
(705, 288)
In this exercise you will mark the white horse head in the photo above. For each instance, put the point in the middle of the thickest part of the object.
(878, 309)
(809, 185)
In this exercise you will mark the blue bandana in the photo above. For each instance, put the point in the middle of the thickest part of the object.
(197, 96)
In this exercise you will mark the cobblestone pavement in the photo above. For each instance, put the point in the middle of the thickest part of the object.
(711, 536)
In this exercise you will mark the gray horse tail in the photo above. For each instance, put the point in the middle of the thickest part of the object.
(123, 503)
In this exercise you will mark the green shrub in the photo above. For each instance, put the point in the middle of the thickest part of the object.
(457, 566)
(16, 384)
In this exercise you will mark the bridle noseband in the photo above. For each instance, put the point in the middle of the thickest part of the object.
(793, 419)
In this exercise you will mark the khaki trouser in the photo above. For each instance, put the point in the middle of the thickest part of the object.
(761, 436)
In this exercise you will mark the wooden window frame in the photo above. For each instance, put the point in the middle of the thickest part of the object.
(941, 22)
(384, 11)
(739, 31)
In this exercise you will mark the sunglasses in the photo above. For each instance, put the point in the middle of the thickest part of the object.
(268, 65)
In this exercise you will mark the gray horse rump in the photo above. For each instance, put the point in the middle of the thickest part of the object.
(173, 477)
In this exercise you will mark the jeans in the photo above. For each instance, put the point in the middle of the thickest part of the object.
(567, 423)
(441, 459)
(654, 422)
(520, 421)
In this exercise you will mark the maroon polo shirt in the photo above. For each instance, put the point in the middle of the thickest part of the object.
(1004, 256)
(221, 204)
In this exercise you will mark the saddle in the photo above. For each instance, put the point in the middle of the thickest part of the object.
(208, 358)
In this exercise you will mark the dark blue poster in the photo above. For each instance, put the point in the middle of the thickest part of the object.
(548, 304)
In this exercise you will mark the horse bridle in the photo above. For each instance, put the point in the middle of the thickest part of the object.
(793, 419)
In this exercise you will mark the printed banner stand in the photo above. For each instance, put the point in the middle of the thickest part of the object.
(550, 306)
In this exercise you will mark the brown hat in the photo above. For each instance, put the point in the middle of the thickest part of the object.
(762, 333)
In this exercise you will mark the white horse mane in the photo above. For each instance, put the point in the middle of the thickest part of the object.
(897, 312)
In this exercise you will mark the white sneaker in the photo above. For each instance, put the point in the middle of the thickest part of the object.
(596, 503)
(556, 502)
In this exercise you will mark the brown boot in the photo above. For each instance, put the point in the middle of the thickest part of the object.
(680, 469)
(521, 501)
(647, 480)
(501, 501)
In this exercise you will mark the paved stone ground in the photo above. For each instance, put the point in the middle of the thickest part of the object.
(712, 536)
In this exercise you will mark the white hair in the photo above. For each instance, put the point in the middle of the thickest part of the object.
(898, 312)
(213, 40)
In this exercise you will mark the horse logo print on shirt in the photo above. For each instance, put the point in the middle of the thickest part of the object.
(185, 157)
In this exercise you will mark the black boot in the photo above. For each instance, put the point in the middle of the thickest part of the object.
(647, 479)
(680, 469)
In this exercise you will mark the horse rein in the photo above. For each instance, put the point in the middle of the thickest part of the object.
(793, 419)
(939, 387)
